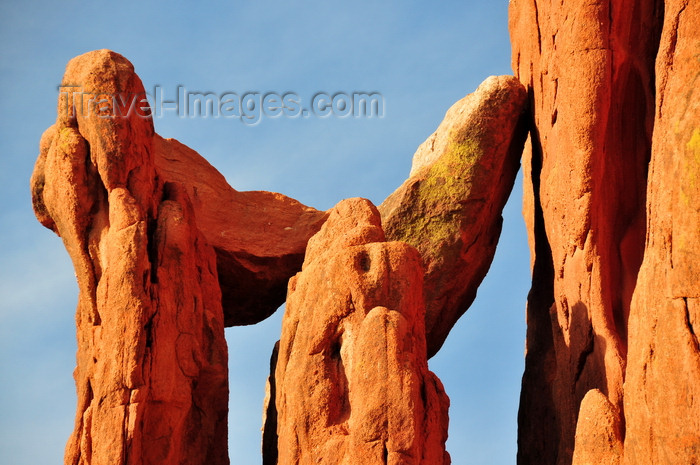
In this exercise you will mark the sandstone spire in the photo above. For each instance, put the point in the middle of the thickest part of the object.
(352, 379)
(156, 237)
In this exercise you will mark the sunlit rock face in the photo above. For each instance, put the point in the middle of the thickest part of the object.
(166, 253)
(352, 380)
(450, 206)
(612, 206)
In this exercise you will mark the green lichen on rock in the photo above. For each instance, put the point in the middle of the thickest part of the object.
(442, 189)
(450, 207)
(694, 145)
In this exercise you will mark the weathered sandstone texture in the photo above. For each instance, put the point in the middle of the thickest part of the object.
(166, 254)
(259, 237)
(450, 207)
(152, 360)
(156, 237)
(612, 204)
(351, 380)
(662, 386)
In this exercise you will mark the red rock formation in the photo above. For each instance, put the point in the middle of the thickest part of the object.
(450, 206)
(598, 92)
(662, 385)
(153, 231)
(259, 237)
(352, 380)
(152, 361)
(166, 254)
(599, 432)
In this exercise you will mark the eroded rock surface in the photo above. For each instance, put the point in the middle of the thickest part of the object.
(259, 237)
(152, 365)
(155, 235)
(599, 432)
(352, 380)
(450, 206)
(662, 386)
(612, 309)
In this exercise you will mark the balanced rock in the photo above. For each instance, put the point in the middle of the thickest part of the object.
(450, 206)
(351, 380)
(259, 237)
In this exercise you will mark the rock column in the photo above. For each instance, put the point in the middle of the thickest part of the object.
(352, 380)
(152, 374)
(611, 204)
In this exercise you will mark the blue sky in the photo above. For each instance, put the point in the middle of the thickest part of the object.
(421, 56)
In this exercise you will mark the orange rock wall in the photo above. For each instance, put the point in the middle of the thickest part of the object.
(610, 196)
(662, 386)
